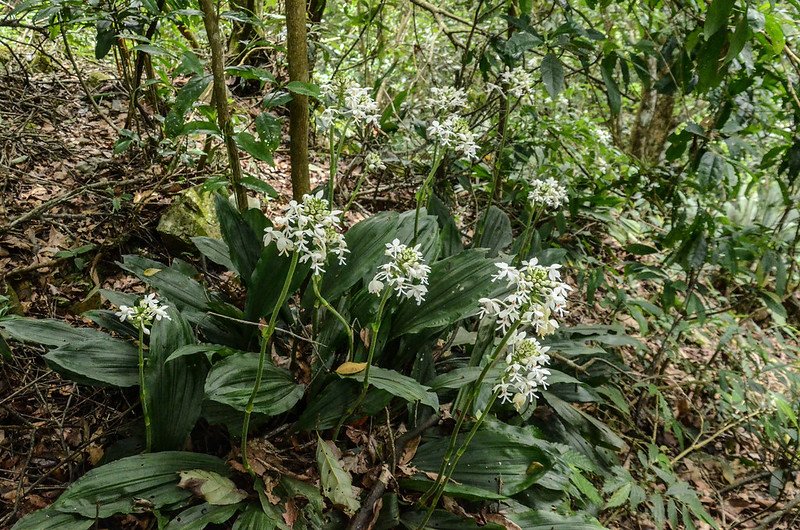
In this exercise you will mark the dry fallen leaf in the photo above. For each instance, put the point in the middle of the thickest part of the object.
(349, 368)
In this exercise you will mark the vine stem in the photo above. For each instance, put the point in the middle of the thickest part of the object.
(334, 312)
(421, 194)
(462, 416)
(376, 327)
(266, 335)
(148, 429)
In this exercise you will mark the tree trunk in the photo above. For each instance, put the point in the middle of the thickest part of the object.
(242, 32)
(653, 124)
(221, 99)
(297, 47)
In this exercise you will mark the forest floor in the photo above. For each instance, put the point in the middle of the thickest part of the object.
(69, 208)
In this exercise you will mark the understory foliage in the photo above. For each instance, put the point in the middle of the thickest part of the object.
(589, 277)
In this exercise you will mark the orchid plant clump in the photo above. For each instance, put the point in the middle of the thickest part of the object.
(405, 273)
(308, 231)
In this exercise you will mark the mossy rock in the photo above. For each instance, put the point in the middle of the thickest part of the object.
(191, 215)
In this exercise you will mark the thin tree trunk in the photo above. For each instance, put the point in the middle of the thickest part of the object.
(221, 99)
(297, 45)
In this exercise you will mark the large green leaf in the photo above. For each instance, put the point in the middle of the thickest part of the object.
(46, 331)
(494, 461)
(367, 243)
(456, 285)
(267, 281)
(496, 234)
(442, 520)
(174, 389)
(548, 520)
(326, 407)
(171, 282)
(244, 244)
(552, 75)
(202, 515)
(49, 519)
(98, 361)
(717, 16)
(214, 249)
(187, 95)
(254, 518)
(398, 385)
(337, 485)
(122, 485)
(231, 380)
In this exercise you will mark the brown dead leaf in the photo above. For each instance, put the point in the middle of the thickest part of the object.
(498, 518)
(95, 453)
(290, 513)
(350, 368)
(410, 450)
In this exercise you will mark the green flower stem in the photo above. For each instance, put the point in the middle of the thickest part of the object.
(266, 335)
(423, 190)
(533, 218)
(464, 411)
(334, 312)
(148, 429)
(451, 466)
(376, 327)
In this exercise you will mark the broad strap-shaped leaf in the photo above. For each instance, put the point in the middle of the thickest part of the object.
(202, 515)
(116, 487)
(455, 286)
(104, 361)
(494, 461)
(171, 282)
(50, 519)
(267, 281)
(549, 520)
(256, 518)
(337, 485)
(326, 407)
(187, 95)
(174, 389)
(367, 243)
(450, 237)
(231, 380)
(398, 385)
(46, 331)
(244, 244)
(443, 520)
(496, 234)
(214, 249)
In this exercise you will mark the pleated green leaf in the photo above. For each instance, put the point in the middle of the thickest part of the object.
(231, 380)
(124, 485)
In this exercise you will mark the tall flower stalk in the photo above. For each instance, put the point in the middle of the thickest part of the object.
(266, 337)
(546, 194)
(309, 231)
(142, 315)
(406, 274)
(536, 295)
